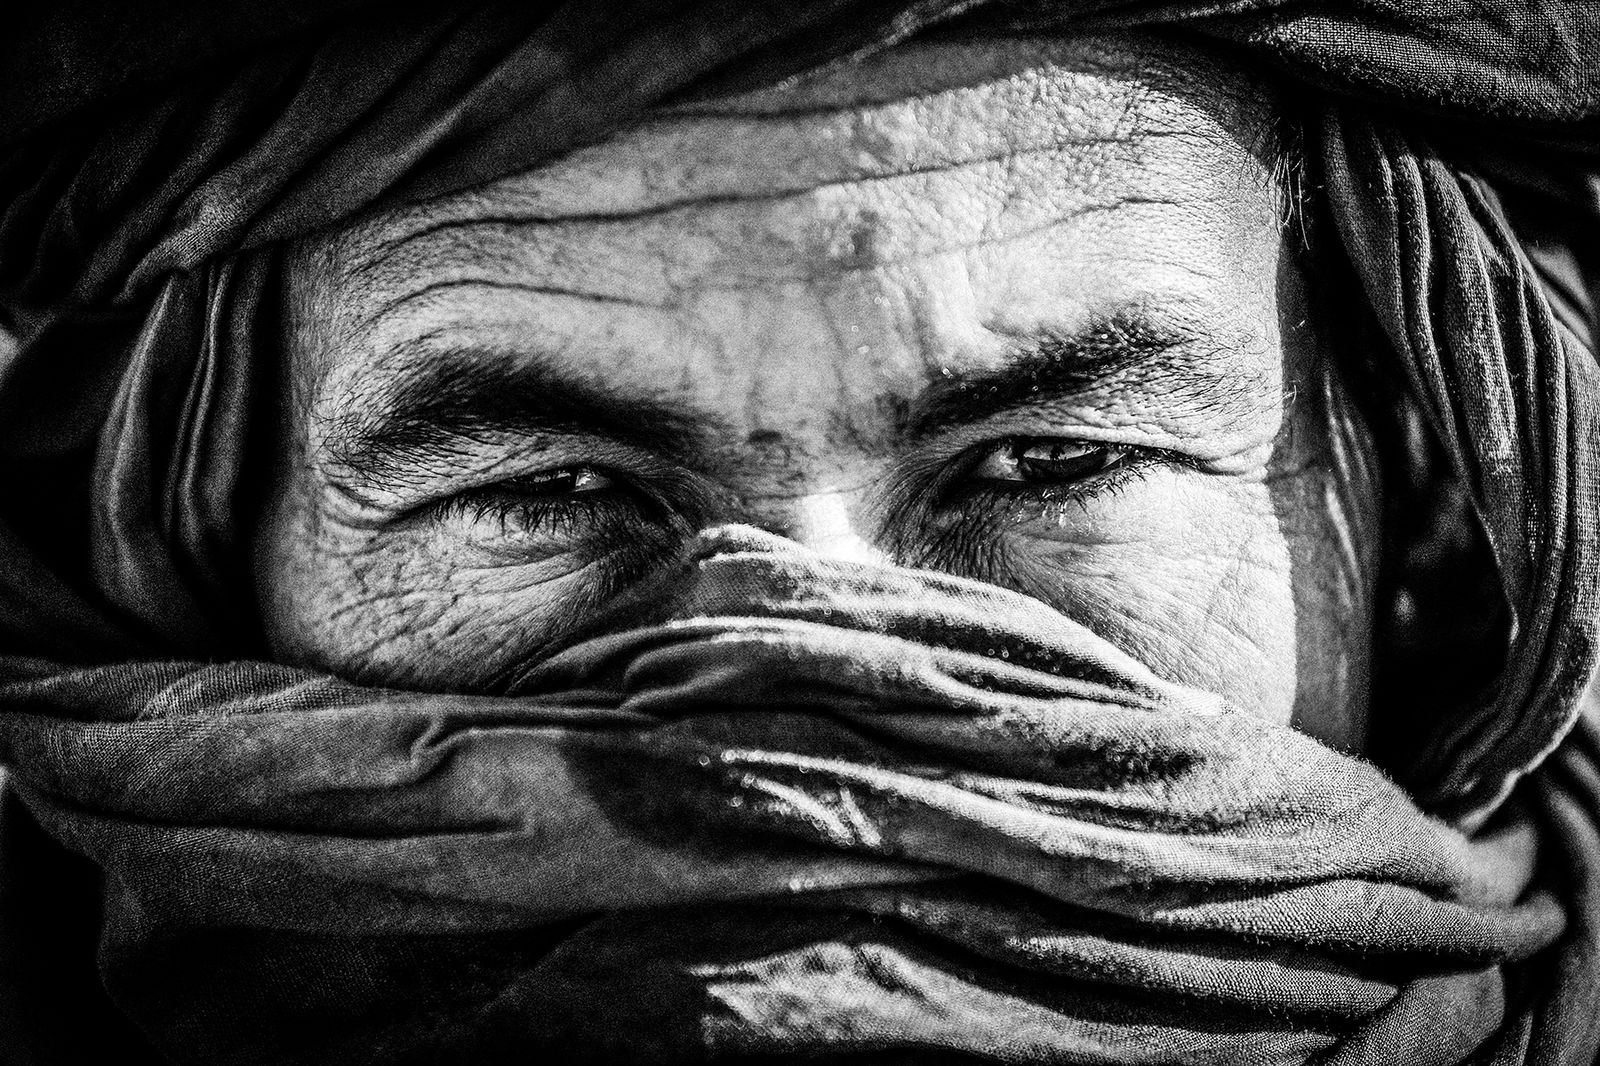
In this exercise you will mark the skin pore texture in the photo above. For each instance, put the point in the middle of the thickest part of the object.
(1027, 312)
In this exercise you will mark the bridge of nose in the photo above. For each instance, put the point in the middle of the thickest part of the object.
(831, 522)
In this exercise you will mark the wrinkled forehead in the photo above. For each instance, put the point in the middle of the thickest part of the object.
(867, 139)
(968, 192)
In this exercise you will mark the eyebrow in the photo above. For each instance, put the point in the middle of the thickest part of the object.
(463, 394)
(1052, 365)
(468, 393)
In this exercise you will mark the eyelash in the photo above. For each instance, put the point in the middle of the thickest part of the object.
(617, 509)
(1085, 488)
(519, 513)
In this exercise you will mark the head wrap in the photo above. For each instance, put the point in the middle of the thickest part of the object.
(900, 813)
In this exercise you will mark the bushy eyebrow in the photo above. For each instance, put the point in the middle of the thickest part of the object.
(1053, 365)
(449, 397)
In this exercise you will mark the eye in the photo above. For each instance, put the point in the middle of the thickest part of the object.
(622, 518)
(564, 481)
(1047, 461)
(560, 504)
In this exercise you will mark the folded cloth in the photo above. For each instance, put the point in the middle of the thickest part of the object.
(808, 807)
(792, 807)
(137, 234)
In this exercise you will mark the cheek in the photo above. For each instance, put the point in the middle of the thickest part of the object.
(410, 610)
(1191, 575)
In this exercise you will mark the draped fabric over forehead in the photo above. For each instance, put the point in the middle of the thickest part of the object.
(811, 808)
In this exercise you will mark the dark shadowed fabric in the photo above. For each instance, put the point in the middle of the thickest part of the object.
(811, 808)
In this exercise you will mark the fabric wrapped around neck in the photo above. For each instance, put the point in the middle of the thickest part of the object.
(810, 806)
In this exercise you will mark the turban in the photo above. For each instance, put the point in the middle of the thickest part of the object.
(770, 805)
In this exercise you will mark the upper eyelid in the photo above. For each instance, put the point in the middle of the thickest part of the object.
(1108, 482)
(428, 491)
(973, 454)
(949, 468)
(959, 459)
(943, 493)
(690, 499)
(1050, 421)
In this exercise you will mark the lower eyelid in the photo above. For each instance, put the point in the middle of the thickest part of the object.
(622, 525)
(975, 514)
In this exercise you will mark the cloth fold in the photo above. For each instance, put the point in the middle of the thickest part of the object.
(1514, 398)
(115, 235)
(817, 807)
(784, 807)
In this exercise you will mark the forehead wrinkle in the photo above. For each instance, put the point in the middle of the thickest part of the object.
(1145, 119)
(399, 255)
(851, 137)
(1018, 118)
(651, 167)
(651, 260)
(1013, 84)
(370, 320)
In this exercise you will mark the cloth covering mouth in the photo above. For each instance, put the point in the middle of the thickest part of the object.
(809, 808)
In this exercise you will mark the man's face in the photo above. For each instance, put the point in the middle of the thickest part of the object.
(1015, 311)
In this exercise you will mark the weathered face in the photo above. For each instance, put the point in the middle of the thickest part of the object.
(1017, 311)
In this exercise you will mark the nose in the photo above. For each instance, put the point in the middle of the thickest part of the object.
(828, 523)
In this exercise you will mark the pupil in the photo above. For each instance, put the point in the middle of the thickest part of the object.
(554, 484)
(1059, 464)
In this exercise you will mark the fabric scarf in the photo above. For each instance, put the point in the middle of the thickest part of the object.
(810, 808)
